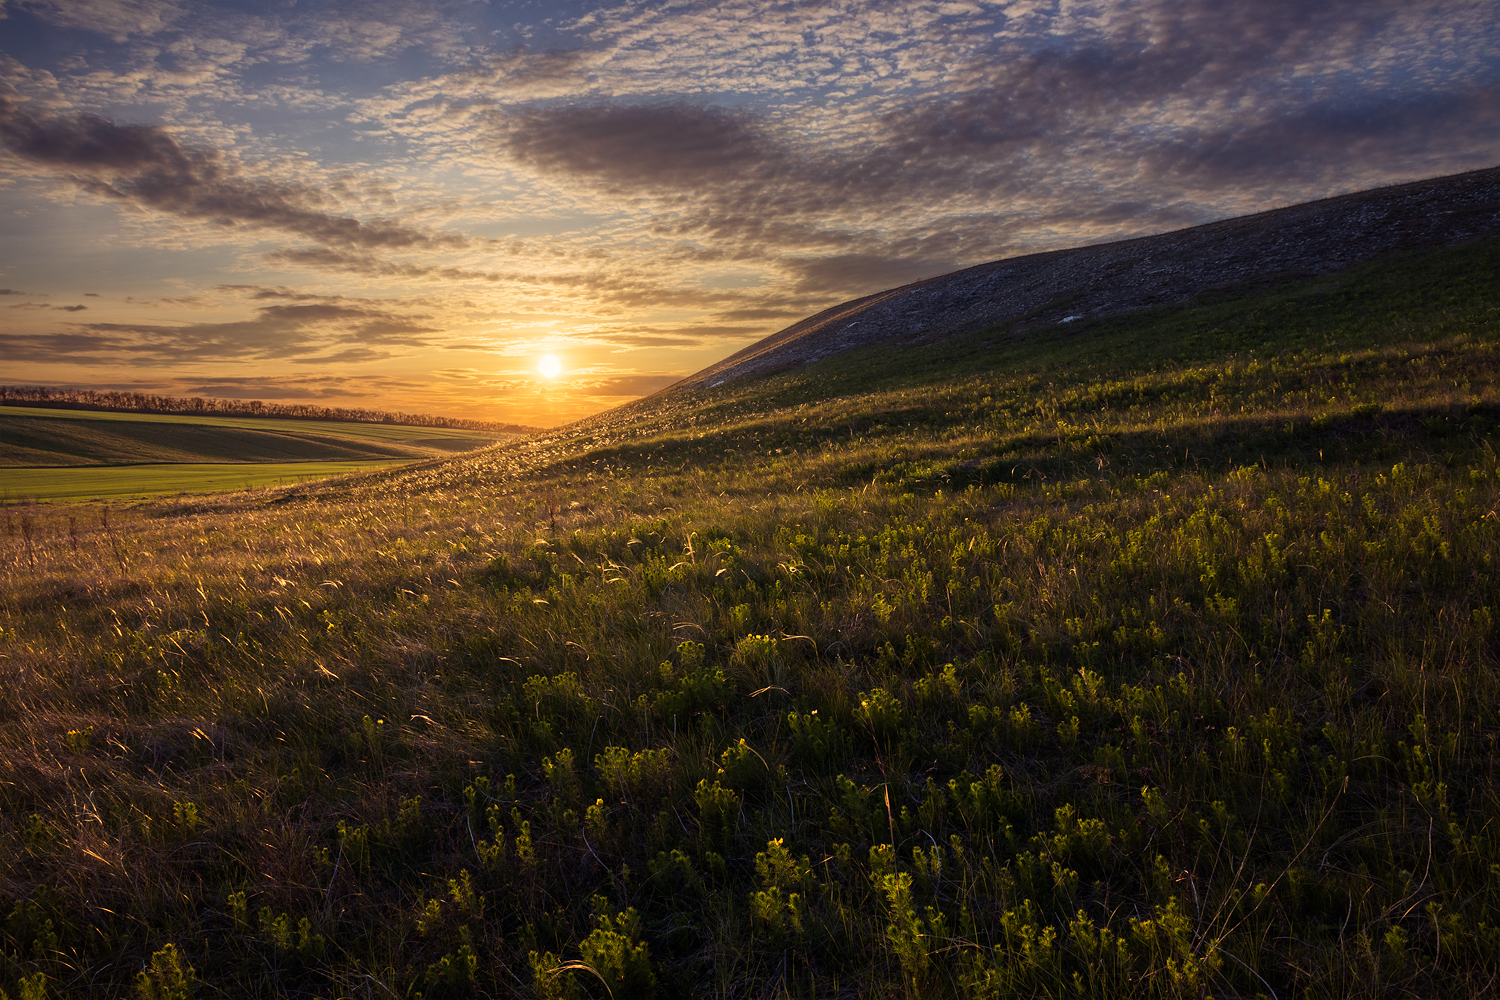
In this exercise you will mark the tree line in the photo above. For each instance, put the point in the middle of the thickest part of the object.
(141, 402)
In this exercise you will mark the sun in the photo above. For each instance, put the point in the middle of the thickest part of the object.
(549, 366)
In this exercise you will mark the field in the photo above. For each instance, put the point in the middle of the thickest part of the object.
(66, 455)
(1153, 656)
(72, 483)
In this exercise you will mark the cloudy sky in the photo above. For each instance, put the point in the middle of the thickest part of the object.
(409, 204)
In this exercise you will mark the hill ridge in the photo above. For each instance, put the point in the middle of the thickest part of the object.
(1316, 237)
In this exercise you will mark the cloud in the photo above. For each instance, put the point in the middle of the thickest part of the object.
(313, 333)
(613, 384)
(865, 270)
(145, 165)
(633, 147)
(292, 386)
(624, 284)
(688, 175)
(1036, 128)
(328, 259)
(764, 312)
(1334, 139)
(635, 340)
(348, 356)
(119, 19)
(459, 374)
(627, 385)
(10, 291)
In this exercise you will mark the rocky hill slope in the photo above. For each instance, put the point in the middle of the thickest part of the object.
(1067, 285)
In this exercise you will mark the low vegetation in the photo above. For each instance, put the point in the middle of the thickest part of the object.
(1144, 657)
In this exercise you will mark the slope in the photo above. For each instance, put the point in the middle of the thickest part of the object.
(1068, 285)
(1145, 655)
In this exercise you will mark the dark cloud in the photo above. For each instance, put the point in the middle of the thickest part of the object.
(687, 335)
(145, 165)
(650, 340)
(618, 287)
(666, 146)
(10, 291)
(837, 272)
(324, 333)
(1152, 116)
(728, 181)
(348, 356)
(768, 312)
(628, 385)
(292, 386)
(327, 259)
(1333, 140)
(261, 292)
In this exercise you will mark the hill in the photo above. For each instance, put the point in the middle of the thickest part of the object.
(1151, 654)
(1065, 286)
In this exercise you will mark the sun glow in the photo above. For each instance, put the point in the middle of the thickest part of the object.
(549, 366)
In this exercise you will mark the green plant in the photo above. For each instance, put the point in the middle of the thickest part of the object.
(168, 977)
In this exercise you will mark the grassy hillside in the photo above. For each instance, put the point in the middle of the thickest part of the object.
(31, 436)
(1149, 657)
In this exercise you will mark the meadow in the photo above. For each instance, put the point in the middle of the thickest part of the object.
(1152, 656)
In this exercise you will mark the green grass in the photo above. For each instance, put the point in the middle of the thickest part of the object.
(51, 485)
(1155, 657)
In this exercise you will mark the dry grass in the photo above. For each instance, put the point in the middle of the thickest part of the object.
(1079, 667)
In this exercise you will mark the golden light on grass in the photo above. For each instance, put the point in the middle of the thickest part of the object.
(549, 366)
(176, 628)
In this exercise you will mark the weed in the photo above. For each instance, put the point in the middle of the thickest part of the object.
(168, 977)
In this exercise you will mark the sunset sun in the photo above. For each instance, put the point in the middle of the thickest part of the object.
(549, 366)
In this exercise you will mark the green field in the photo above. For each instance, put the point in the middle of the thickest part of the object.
(50, 485)
(68, 455)
(1152, 656)
(31, 436)
(461, 440)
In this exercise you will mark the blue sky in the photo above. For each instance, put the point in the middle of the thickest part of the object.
(409, 204)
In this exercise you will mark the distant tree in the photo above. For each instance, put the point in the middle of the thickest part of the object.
(136, 402)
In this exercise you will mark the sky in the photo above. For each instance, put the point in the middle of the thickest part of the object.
(411, 205)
